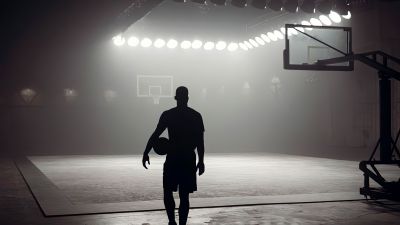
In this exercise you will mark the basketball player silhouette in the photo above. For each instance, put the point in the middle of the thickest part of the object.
(186, 133)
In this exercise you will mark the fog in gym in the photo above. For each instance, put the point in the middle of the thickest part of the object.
(84, 83)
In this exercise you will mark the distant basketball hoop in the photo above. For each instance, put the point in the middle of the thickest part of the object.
(155, 87)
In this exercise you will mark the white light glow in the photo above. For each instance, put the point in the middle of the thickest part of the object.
(253, 42)
(292, 31)
(315, 22)
(306, 23)
(186, 44)
(221, 45)
(172, 43)
(278, 34)
(283, 30)
(159, 43)
(248, 45)
(146, 42)
(209, 45)
(335, 17)
(260, 41)
(348, 16)
(265, 38)
(243, 46)
(133, 41)
(233, 46)
(272, 36)
(300, 29)
(118, 40)
(196, 44)
(325, 20)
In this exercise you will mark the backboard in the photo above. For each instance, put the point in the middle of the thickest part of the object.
(307, 45)
(155, 87)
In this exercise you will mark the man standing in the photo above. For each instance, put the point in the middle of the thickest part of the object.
(186, 133)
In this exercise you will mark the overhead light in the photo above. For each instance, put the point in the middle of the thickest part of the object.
(239, 3)
(248, 45)
(172, 43)
(325, 20)
(304, 22)
(196, 44)
(233, 46)
(146, 42)
(159, 43)
(272, 36)
(278, 34)
(218, 2)
(315, 22)
(133, 41)
(221, 45)
(265, 38)
(259, 4)
(209, 45)
(335, 17)
(275, 5)
(348, 16)
(118, 40)
(324, 6)
(292, 31)
(186, 44)
(308, 6)
(243, 46)
(259, 40)
(253, 42)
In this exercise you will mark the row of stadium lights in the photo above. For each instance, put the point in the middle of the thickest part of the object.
(255, 42)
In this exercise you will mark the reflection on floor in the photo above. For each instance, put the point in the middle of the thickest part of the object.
(19, 207)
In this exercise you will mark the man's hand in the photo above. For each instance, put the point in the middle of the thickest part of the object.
(145, 159)
(200, 168)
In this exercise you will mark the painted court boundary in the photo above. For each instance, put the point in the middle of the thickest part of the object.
(53, 202)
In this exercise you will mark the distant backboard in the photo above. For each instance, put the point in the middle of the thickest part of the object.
(155, 87)
(306, 46)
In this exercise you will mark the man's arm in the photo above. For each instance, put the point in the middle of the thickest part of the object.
(156, 134)
(200, 152)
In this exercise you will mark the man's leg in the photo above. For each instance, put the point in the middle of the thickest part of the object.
(183, 207)
(169, 204)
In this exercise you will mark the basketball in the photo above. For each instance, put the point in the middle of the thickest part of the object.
(161, 146)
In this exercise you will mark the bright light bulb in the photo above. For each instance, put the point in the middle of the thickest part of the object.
(146, 42)
(243, 46)
(221, 45)
(265, 38)
(306, 23)
(260, 41)
(133, 41)
(278, 34)
(335, 17)
(272, 36)
(348, 16)
(172, 43)
(248, 45)
(253, 42)
(196, 44)
(159, 43)
(186, 44)
(292, 31)
(233, 46)
(118, 40)
(325, 20)
(209, 45)
(315, 22)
